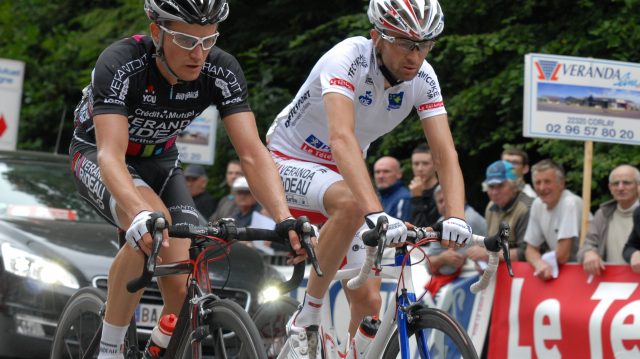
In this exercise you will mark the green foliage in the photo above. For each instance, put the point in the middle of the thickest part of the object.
(479, 61)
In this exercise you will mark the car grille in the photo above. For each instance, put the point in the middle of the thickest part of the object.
(152, 294)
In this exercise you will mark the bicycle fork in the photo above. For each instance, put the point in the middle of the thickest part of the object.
(406, 306)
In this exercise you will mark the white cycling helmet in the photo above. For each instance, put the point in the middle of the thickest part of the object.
(421, 19)
(199, 12)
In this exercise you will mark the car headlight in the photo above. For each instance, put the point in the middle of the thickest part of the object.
(269, 294)
(25, 264)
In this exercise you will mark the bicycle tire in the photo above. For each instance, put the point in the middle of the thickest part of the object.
(452, 340)
(240, 338)
(271, 320)
(79, 323)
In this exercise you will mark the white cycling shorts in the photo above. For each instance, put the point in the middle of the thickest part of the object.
(305, 184)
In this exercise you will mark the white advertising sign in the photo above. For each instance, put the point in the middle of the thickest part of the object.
(583, 99)
(11, 78)
(197, 142)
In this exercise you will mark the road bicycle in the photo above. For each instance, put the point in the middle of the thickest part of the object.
(409, 328)
(221, 326)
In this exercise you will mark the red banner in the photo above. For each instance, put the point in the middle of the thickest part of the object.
(566, 317)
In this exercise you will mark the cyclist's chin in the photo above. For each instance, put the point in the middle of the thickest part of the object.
(406, 74)
(190, 73)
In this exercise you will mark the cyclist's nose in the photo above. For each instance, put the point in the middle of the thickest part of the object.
(198, 52)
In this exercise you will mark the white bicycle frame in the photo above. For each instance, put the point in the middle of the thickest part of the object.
(392, 317)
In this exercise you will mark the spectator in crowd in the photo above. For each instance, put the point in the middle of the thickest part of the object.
(197, 183)
(612, 223)
(424, 212)
(446, 263)
(519, 159)
(394, 195)
(507, 204)
(249, 213)
(554, 219)
(246, 204)
(631, 251)
(227, 205)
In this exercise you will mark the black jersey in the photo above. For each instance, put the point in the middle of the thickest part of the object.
(126, 81)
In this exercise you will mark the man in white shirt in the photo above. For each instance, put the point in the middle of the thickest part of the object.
(554, 220)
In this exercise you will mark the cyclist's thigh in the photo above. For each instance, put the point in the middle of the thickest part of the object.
(305, 183)
(89, 184)
(182, 210)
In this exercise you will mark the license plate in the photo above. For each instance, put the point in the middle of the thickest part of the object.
(147, 315)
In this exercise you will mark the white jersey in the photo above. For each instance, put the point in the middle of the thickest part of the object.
(349, 68)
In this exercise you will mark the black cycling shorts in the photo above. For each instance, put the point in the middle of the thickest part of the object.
(161, 173)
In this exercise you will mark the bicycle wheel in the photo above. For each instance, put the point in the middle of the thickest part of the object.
(445, 337)
(231, 334)
(79, 322)
(271, 320)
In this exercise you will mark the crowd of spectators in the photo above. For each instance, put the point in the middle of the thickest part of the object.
(544, 219)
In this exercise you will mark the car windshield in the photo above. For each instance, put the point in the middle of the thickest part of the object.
(42, 190)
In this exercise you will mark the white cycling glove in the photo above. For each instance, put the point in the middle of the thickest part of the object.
(138, 228)
(456, 230)
(396, 232)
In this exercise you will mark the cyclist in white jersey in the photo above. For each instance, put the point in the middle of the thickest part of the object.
(358, 91)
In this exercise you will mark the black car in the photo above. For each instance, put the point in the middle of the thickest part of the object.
(52, 243)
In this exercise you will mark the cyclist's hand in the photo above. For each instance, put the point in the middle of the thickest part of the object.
(455, 232)
(396, 232)
(138, 235)
(286, 228)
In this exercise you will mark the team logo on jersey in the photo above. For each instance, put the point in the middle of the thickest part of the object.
(315, 147)
(183, 96)
(395, 101)
(224, 86)
(343, 83)
(366, 99)
(368, 81)
(430, 106)
(149, 95)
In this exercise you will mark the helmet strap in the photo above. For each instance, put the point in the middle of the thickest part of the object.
(160, 54)
(392, 80)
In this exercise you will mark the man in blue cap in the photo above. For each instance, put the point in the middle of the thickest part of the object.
(507, 204)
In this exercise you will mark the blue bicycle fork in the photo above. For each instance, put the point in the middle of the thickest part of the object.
(404, 300)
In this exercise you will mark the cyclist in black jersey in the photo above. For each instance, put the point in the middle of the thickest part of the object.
(144, 91)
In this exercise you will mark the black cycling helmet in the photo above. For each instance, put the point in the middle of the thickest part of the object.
(199, 12)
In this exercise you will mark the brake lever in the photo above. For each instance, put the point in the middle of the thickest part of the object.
(157, 225)
(377, 236)
(304, 230)
(504, 244)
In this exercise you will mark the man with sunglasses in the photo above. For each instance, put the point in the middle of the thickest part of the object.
(358, 91)
(144, 91)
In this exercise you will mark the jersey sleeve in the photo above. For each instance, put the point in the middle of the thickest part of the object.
(570, 221)
(339, 68)
(110, 77)
(228, 78)
(429, 101)
(533, 234)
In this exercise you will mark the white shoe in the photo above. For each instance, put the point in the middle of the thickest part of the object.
(302, 343)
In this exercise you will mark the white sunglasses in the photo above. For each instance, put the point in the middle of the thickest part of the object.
(189, 42)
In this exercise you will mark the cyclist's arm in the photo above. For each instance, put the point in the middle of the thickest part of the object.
(445, 158)
(112, 139)
(257, 164)
(347, 152)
